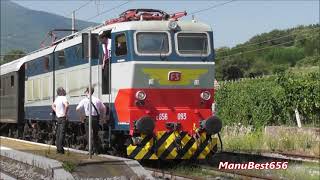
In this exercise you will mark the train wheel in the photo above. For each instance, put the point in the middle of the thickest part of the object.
(4, 129)
(26, 132)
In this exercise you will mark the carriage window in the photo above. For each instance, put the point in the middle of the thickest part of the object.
(45, 88)
(61, 59)
(29, 89)
(121, 45)
(46, 63)
(36, 89)
(12, 81)
(192, 43)
(152, 43)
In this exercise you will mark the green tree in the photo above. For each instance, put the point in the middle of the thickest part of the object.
(285, 55)
(12, 55)
(267, 53)
(258, 68)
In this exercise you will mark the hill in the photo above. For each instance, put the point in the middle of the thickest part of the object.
(24, 29)
(269, 53)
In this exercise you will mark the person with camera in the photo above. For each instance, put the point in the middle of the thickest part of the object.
(98, 110)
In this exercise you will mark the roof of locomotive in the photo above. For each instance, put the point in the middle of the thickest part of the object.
(154, 26)
(117, 27)
(12, 66)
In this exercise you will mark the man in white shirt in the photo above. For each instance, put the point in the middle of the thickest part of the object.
(60, 106)
(98, 111)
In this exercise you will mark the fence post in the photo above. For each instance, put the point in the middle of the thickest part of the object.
(298, 117)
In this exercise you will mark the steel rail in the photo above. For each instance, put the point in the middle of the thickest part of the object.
(159, 173)
(277, 155)
(233, 173)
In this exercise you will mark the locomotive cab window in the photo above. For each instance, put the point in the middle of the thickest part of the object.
(61, 59)
(12, 81)
(46, 63)
(152, 43)
(121, 45)
(194, 44)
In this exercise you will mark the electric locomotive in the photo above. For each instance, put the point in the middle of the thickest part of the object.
(158, 86)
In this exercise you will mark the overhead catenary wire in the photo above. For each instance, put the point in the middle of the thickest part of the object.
(108, 10)
(97, 3)
(273, 39)
(239, 53)
(195, 12)
(211, 7)
(259, 49)
(82, 6)
(11, 55)
(67, 14)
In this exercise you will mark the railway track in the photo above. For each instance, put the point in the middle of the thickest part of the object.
(215, 173)
(262, 158)
(300, 156)
(45, 158)
(161, 174)
(211, 167)
(7, 176)
(278, 155)
(262, 154)
(234, 174)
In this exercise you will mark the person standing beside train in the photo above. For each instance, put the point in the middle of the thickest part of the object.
(98, 111)
(60, 106)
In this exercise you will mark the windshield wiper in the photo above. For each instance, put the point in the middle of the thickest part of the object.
(202, 51)
(162, 58)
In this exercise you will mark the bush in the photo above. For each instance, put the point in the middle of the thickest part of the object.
(244, 139)
(309, 61)
(270, 100)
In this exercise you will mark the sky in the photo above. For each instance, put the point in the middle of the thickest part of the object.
(233, 22)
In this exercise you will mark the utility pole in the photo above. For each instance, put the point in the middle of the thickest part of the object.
(73, 21)
(90, 97)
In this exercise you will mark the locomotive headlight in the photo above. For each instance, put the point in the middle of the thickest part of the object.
(173, 25)
(205, 95)
(140, 95)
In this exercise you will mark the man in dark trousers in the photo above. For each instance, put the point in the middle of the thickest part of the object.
(60, 106)
(98, 110)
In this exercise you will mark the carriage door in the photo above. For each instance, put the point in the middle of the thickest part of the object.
(105, 42)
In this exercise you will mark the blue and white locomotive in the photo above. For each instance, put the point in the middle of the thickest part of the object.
(158, 86)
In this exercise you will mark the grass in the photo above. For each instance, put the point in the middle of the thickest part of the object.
(300, 171)
(295, 171)
(69, 166)
(195, 171)
(304, 70)
(240, 138)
